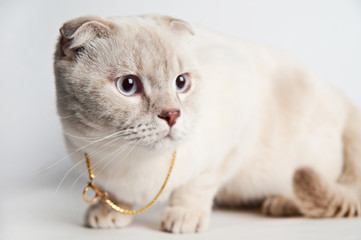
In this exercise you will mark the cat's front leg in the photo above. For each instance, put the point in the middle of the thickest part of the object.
(190, 206)
(101, 215)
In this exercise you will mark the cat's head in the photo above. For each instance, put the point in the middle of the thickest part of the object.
(134, 78)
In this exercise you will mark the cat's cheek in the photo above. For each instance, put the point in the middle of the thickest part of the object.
(184, 97)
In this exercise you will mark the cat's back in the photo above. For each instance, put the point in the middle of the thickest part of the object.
(266, 86)
(270, 71)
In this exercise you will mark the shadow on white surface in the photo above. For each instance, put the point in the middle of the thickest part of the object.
(34, 210)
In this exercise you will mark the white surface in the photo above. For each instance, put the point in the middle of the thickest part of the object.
(40, 214)
(324, 34)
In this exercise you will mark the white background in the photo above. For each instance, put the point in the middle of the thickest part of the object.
(324, 34)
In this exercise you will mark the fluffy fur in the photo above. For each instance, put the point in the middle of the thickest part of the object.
(255, 125)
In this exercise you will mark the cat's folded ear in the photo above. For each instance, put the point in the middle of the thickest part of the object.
(175, 24)
(75, 33)
(180, 25)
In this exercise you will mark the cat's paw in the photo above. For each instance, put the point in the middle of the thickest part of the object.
(178, 219)
(278, 206)
(100, 215)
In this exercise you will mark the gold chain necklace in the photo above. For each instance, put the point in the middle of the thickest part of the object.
(104, 196)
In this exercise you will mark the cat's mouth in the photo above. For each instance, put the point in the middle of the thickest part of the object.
(165, 138)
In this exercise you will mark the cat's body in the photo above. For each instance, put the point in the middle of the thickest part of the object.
(254, 124)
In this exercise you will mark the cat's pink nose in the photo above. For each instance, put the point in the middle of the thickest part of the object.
(170, 116)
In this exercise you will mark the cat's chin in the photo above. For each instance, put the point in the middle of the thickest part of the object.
(164, 143)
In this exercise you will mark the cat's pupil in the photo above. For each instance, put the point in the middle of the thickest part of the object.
(180, 82)
(128, 84)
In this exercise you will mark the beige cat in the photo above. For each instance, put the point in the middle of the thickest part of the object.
(249, 123)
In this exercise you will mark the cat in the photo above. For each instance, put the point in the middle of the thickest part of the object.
(249, 123)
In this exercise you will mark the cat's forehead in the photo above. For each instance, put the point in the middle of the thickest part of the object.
(150, 50)
(151, 54)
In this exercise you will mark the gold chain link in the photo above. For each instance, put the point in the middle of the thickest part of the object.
(104, 196)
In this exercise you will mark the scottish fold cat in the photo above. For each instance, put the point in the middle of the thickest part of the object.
(249, 123)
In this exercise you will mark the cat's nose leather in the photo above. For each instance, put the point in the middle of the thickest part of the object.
(170, 116)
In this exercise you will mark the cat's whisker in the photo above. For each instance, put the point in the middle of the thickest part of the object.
(77, 164)
(83, 174)
(103, 159)
(136, 154)
(98, 149)
(74, 152)
(98, 163)
(117, 165)
(66, 174)
(81, 137)
(123, 148)
(95, 139)
(94, 166)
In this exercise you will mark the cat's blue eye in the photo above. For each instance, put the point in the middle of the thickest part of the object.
(128, 85)
(182, 83)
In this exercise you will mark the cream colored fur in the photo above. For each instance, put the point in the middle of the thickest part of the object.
(252, 118)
